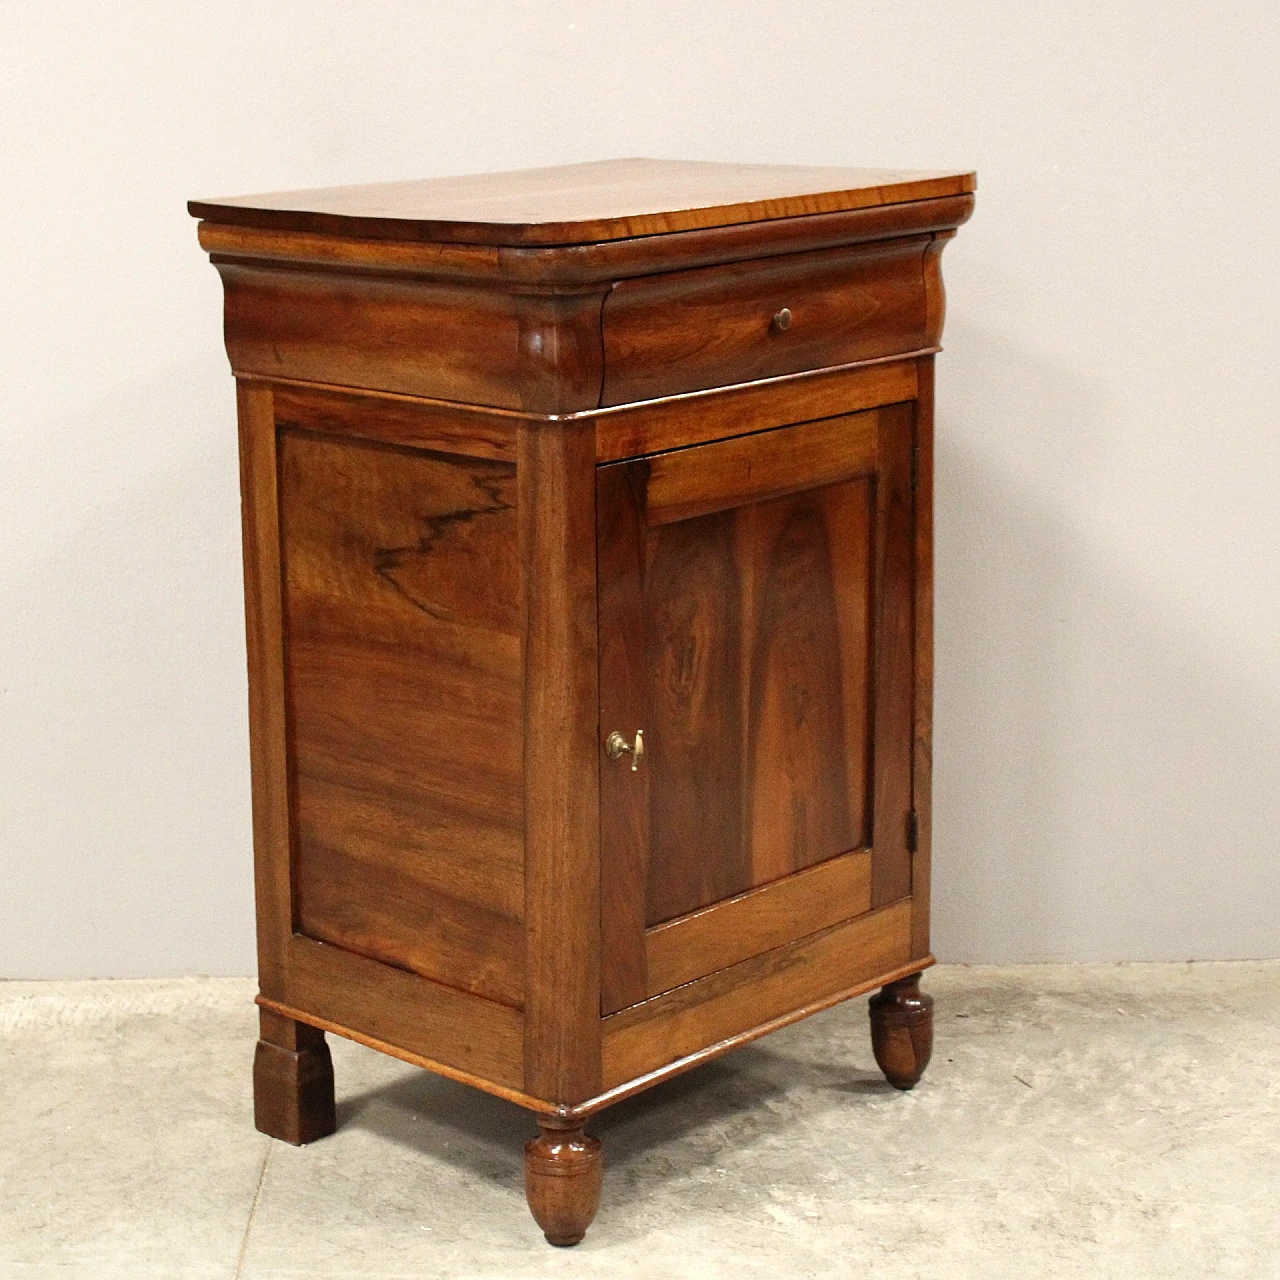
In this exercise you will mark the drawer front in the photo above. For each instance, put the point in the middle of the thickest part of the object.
(712, 327)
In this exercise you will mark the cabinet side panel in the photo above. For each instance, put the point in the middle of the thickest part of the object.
(264, 641)
(404, 684)
(557, 499)
(922, 758)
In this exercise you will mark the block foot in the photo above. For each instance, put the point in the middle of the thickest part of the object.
(292, 1081)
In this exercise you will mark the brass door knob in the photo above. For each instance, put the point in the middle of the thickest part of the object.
(615, 744)
(782, 321)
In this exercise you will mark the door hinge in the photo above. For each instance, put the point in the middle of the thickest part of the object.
(913, 832)
(915, 467)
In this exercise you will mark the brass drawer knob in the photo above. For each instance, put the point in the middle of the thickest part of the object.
(782, 321)
(615, 744)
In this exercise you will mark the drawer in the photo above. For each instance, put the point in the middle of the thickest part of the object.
(688, 330)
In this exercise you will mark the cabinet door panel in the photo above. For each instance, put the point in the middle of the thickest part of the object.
(741, 640)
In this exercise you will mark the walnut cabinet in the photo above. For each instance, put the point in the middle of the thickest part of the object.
(588, 565)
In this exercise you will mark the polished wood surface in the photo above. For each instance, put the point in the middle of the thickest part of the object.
(561, 759)
(581, 203)
(729, 616)
(563, 1175)
(569, 327)
(708, 1053)
(435, 426)
(264, 645)
(894, 622)
(675, 422)
(687, 483)
(922, 745)
(750, 760)
(404, 678)
(582, 1111)
(480, 1037)
(528, 459)
(902, 1031)
(731, 1001)
(750, 923)
(686, 330)
(292, 1081)
(580, 264)
(445, 340)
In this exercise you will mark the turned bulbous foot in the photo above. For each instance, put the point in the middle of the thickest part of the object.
(563, 1171)
(292, 1081)
(902, 1031)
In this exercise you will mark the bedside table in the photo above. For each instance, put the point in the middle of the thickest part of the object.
(588, 565)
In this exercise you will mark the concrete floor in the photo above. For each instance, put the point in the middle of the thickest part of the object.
(1076, 1122)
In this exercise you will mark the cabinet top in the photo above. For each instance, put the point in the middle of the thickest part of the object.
(581, 203)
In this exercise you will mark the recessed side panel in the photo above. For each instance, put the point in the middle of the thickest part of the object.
(402, 617)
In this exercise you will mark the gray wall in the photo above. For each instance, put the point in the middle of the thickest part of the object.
(1108, 460)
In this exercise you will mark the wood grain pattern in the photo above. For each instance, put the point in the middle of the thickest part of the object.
(585, 263)
(392, 419)
(698, 417)
(687, 1062)
(560, 353)
(403, 614)
(451, 341)
(693, 673)
(922, 747)
(733, 1000)
(394, 1050)
(739, 640)
(756, 921)
(714, 326)
(580, 203)
(561, 760)
(684, 484)
(895, 662)
(806, 764)
(264, 636)
(624, 794)
(438, 1023)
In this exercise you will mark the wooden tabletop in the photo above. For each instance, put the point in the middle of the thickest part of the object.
(581, 203)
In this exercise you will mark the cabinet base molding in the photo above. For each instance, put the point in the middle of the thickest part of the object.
(581, 1111)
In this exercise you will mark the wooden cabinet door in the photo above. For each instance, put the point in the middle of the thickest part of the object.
(755, 612)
